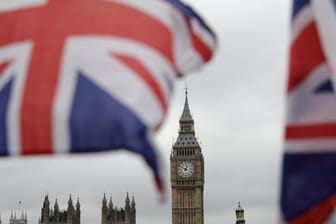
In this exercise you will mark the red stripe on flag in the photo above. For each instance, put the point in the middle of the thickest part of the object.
(146, 76)
(202, 48)
(4, 66)
(36, 126)
(198, 43)
(311, 131)
(305, 55)
(318, 214)
(159, 185)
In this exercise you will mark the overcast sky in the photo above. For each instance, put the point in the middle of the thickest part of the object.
(237, 102)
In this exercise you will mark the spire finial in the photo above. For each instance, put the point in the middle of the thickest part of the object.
(240, 215)
(186, 89)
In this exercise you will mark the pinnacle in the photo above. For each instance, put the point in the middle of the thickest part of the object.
(239, 208)
(186, 115)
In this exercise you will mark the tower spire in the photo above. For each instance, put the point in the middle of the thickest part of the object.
(186, 115)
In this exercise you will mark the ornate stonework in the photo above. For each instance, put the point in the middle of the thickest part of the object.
(114, 215)
(56, 216)
(240, 215)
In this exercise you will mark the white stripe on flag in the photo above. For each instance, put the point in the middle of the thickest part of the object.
(20, 54)
(309, 107)
(11, 5)
(310, 145)
(325, 13)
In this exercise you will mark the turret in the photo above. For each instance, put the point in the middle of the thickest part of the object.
(133, 211)
(77, 206)
(133, 203)
(127, 203)
(127, 209)
(70, 205)
(240, 215)
(78, 212)
(70, 211)
(104, 201)
(46, 202)
(104, 210)
(110, 206)
(45, 211)
(56, 212)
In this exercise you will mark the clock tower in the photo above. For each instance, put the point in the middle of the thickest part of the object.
(187, 173)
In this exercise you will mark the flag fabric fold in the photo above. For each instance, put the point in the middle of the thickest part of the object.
(81, 76)
(308, 190)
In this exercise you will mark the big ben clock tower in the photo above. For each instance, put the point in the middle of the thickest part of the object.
(187, 173)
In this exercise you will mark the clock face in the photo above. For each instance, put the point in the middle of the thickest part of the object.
(185, 169)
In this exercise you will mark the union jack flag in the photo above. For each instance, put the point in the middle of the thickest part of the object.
(309, 165)
(93, 75)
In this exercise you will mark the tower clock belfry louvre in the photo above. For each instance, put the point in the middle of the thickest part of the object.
(187, 173)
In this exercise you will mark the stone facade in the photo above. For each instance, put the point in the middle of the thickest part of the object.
(114, 215)
(18, 219)
(56, 216)
(187, 173)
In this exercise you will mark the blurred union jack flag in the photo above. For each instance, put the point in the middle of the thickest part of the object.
(93, 75)
(309, 179)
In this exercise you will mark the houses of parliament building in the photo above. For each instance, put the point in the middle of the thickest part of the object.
(187, 185)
